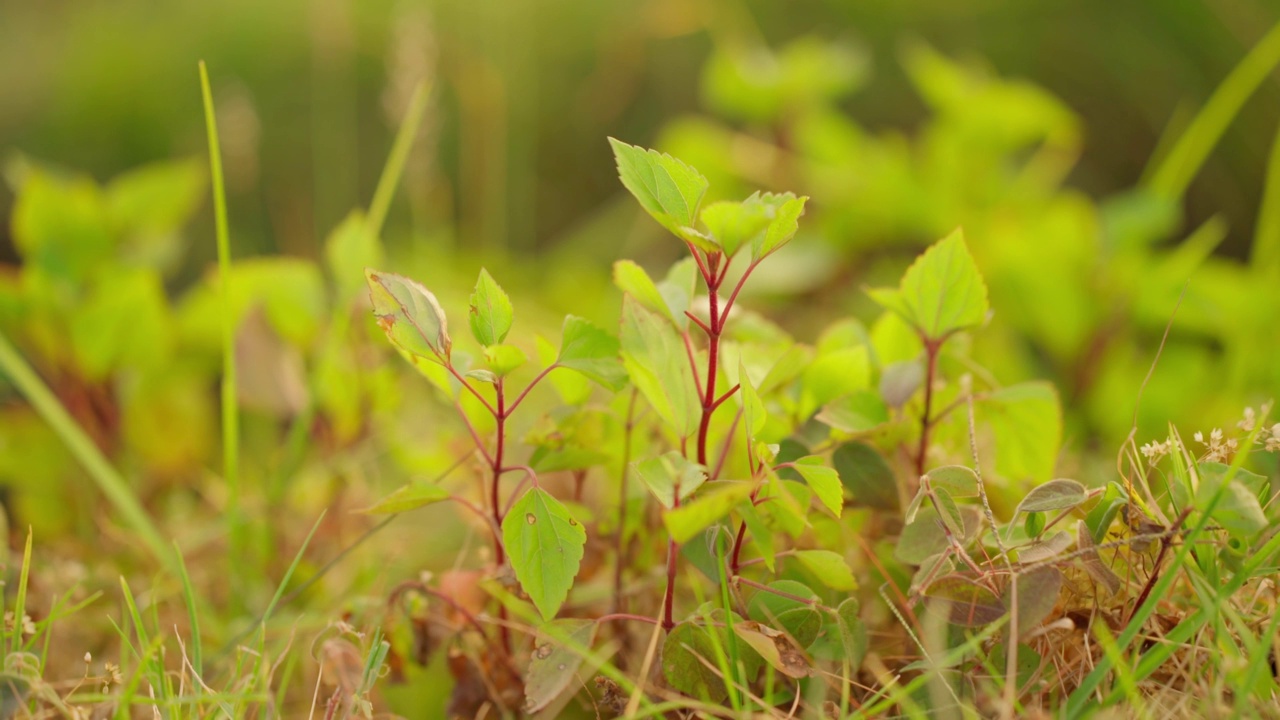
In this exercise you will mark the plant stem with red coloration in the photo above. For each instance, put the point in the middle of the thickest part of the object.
(931, 348)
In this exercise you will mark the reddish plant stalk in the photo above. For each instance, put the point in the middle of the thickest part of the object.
(500, 416)
(931, 348)
(620, 549)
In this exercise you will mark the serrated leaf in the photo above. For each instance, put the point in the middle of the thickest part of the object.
(830, 568)
(735, 224)
(941, 292)
(556, 658)
(631, 279)
(491, 312)
(668, 189)
(658, 364)
(867, 476)
(824, 480)
(410, 315)
(663, 474)
(783, 224)
(504, 359)
(545, 545)
(715, 501)
(409, 497)
(1059, 494)
(1026, 422)
(592, 351)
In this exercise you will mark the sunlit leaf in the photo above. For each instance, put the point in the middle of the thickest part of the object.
(347, 249)
(949, 512)
(824, 480)
(545, 545)
(714, 502)
(1237, 509)
(592, 352)
(783, 224)
(1026, 422)
(504, 359)
(753, 413)
(867, 476)
(782, 612)
(491, 312)
(735, 224)
(634, 281)
(658, 364)
(410, 315)
(667, 189)
(829, 567)
(1059, 494)
(409, 497)
(665, 473)
(957, 480)
(941, 292)
(556, 658)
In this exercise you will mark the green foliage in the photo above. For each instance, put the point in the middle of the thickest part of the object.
(545, 544)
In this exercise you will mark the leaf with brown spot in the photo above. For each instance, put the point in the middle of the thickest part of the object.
(970, 604)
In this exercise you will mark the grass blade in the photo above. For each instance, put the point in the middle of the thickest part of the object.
(1265, 255)
(110, 482)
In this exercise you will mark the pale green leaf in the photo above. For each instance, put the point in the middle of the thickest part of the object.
(667, 189)
(753, 413)
(348, 248)
(545, 545)
(658, 364)
(867, 476)
(665, 473)
(1237, 509)
(591, 351)
(941, 292)
(734, 225)
(1026, 422)
(409, 497)
(491, 312)
(634, 281)
(1059, 494)
(715, 501)
(824, 480)
(558, 653)
(504, 359)
(830, 568)
(784, 220)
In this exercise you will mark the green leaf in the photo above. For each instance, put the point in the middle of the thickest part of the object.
(545, 545)
(924, 536)
(348, 248)
(715, 501)
(1237, 510)
(969, 604)
(634, 281)
(830, 568)
(957, 480)
(941, 292)
(734, 224)
(832, 375)
(853, 632)
(688, 659)
(949, 512)
(784, 221)
(753, 413)
(504, 359)
(667, 189)
(859, 412)
(760, 533)
(824, 480)
(591, 351)
(867, 476)
(410, 316)
(61, 226)
(663, 474)
(1026, 422)
(798, 619)
(1102, 515)
(409, 497)
(556, 658)
(658, 364)
(775, 648)
(491, 312)
(678, 289)
(1038, 591)
(1059, 494)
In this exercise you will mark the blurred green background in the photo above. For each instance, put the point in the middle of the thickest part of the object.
(1066, 137)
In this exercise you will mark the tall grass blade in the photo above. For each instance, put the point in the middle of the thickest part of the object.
(1265, 255)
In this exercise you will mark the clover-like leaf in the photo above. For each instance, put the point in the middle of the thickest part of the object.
(491, 312)
(668, 189)
(592, 351)
(941, 293)
(545, 545)
(410, 315)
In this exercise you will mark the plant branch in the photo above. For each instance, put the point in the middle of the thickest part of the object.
(728, 442)
(931, 348)
(520, 398)
(471, 388)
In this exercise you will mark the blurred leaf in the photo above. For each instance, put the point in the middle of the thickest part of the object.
(658, 364)
(753, 412)
(150, 204)
(830, 568)
(969, 603)
(1237, 510)
(124, 321)
(61, 226)
(786, 210)
(1058, 494)
(633, 280)
(1027, 424)
(761, 534)
(554, 666)
(348, 250)
(663, 474)
(409, 497)
(1102, 515)
(924, 537)
(735, 224)
(545, 545)
(833, 375)
(957, 480)
(775, 647)
(858, 412)
(688, 657)
(1093, 564)
(824, 480)
(573, 387)
(592, 352)
(867, 476)
(799, 619)
(941, 292)
(678, 290)
(410, 316)
(1038, 591)
(715, 501)
(949, 512)
(667, 189)
(491, 312)
(853, 632)
(504, 359)
(899, 382)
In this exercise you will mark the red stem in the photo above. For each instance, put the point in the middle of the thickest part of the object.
(737, 549)
(500, 416)
(626, 616)
(472, 389)
(520, 398)
(931, 348)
